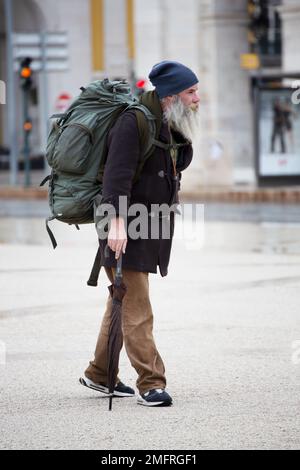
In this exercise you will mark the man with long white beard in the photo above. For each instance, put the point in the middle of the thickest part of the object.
(181, 112)
(175, 105)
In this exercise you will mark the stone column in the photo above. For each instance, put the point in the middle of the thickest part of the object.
(149, 38)
(225, 152)
(290, 17)
(116, 45)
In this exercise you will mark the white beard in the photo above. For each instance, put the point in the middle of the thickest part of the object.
(182, 118)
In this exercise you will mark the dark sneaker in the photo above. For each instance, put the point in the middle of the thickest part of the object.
(121, 390)
(155, 397)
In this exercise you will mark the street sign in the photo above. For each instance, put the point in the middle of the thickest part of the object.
(36, 53)
(63, 102)
(34, 39)
(50, 66)
(249, 61)
(48, 51)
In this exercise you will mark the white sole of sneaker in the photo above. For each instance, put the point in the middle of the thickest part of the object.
(141, 401)
(89, 384)
(101, 388)
(122, 394)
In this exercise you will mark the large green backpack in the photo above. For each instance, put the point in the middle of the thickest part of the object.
(77, 149)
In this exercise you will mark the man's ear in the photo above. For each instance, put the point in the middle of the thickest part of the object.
(170, 99)
(166, 101)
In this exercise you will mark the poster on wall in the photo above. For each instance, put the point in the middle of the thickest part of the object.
(279, 133)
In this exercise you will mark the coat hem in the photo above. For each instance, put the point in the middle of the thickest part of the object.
(143, 269)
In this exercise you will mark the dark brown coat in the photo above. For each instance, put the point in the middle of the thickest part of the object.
(155, 186)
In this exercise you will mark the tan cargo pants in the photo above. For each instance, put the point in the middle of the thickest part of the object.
(137, 326)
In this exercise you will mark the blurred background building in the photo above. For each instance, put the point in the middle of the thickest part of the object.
(233, 45)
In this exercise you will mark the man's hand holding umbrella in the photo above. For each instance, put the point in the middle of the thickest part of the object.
(117, 237)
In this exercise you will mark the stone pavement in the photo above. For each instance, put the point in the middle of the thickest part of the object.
(226, 324)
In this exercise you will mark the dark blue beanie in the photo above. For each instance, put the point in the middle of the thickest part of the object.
(170, 78)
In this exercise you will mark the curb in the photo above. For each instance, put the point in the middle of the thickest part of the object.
(19, 192)
(279, 195)
(271, 195)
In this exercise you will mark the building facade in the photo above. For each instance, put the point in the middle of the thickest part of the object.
(122, 38)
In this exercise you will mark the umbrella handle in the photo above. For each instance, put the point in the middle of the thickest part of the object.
(119, 266)
(119, 263)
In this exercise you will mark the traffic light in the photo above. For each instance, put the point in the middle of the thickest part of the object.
(26, 73)
(27, 126)
(259, 18)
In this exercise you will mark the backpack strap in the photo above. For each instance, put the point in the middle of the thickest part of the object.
(50, 233)
(59, 116)
(147, 133)
(93, 279)
(44, 181)
(146, 129)
(165, 146)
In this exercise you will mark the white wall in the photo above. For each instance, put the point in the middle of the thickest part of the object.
(165, 29)
(72, 16)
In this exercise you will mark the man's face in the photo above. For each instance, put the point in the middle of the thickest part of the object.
(190, 97)
(181, 111)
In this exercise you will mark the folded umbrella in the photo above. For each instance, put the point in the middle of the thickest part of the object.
(115, 337)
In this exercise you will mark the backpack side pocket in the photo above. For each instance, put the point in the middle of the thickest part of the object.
(52, 141)
(73, 148)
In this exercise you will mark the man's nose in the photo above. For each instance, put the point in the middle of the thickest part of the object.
(196, 99)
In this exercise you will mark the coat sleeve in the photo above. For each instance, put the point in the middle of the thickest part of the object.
(121, 163)
(184, 160)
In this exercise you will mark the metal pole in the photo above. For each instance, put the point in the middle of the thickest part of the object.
(11, 101)
(271, 30)
(44, 98)
(26, 149)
